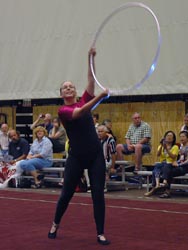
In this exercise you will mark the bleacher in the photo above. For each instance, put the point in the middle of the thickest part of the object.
(126, 180)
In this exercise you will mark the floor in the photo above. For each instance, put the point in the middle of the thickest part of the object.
(177, 196)
(132, 220)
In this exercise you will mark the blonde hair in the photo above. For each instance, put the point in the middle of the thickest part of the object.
(40, 128)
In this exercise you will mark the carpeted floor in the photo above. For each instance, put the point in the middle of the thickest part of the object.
(26, 218)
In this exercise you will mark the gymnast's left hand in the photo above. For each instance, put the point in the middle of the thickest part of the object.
(92, 52)
(105, 93)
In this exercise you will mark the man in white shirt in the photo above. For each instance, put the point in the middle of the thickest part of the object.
(4, 139)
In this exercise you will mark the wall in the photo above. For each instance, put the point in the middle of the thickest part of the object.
(45, 42)
(11, 115)
(53, 109)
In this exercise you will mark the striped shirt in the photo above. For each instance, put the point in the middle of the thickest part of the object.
(137, 133)
(109, 148)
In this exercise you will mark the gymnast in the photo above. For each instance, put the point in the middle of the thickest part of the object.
(85, 152)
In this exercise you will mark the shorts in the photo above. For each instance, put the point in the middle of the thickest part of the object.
(145, 149)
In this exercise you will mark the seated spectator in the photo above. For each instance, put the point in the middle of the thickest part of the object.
(168, 153)
(57, 136)
(185, 126)
(18, 147)
(179, 167)
(40, 155)
(17, 151)
(109, 147)
(96, 119)
(46, 122)
(109, 150)
(4, 139)
(137, 141)
(108, 124)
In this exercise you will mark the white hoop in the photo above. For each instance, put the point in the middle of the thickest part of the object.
(154, 61)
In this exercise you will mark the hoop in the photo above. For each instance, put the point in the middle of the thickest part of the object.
(154, 61)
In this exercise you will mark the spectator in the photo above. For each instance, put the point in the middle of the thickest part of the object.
(108, 124)
(18, 150)
(168, 152)
(57, 136)
(137, 141)
(185, 126)
(96, 119)
(40, 155)
(4, 139)
(109, 147)
(109, 151)
(46, 122)
(18, 147)
(178, 168)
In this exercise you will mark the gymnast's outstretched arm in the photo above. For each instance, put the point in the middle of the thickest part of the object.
(91, 81)
(78, 112)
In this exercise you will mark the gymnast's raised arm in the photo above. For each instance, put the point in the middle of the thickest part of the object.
(91, 81)
(78, 112)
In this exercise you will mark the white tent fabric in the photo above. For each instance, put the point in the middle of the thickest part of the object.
(44, 42)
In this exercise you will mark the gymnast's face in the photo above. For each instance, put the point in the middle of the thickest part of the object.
(68, 90)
